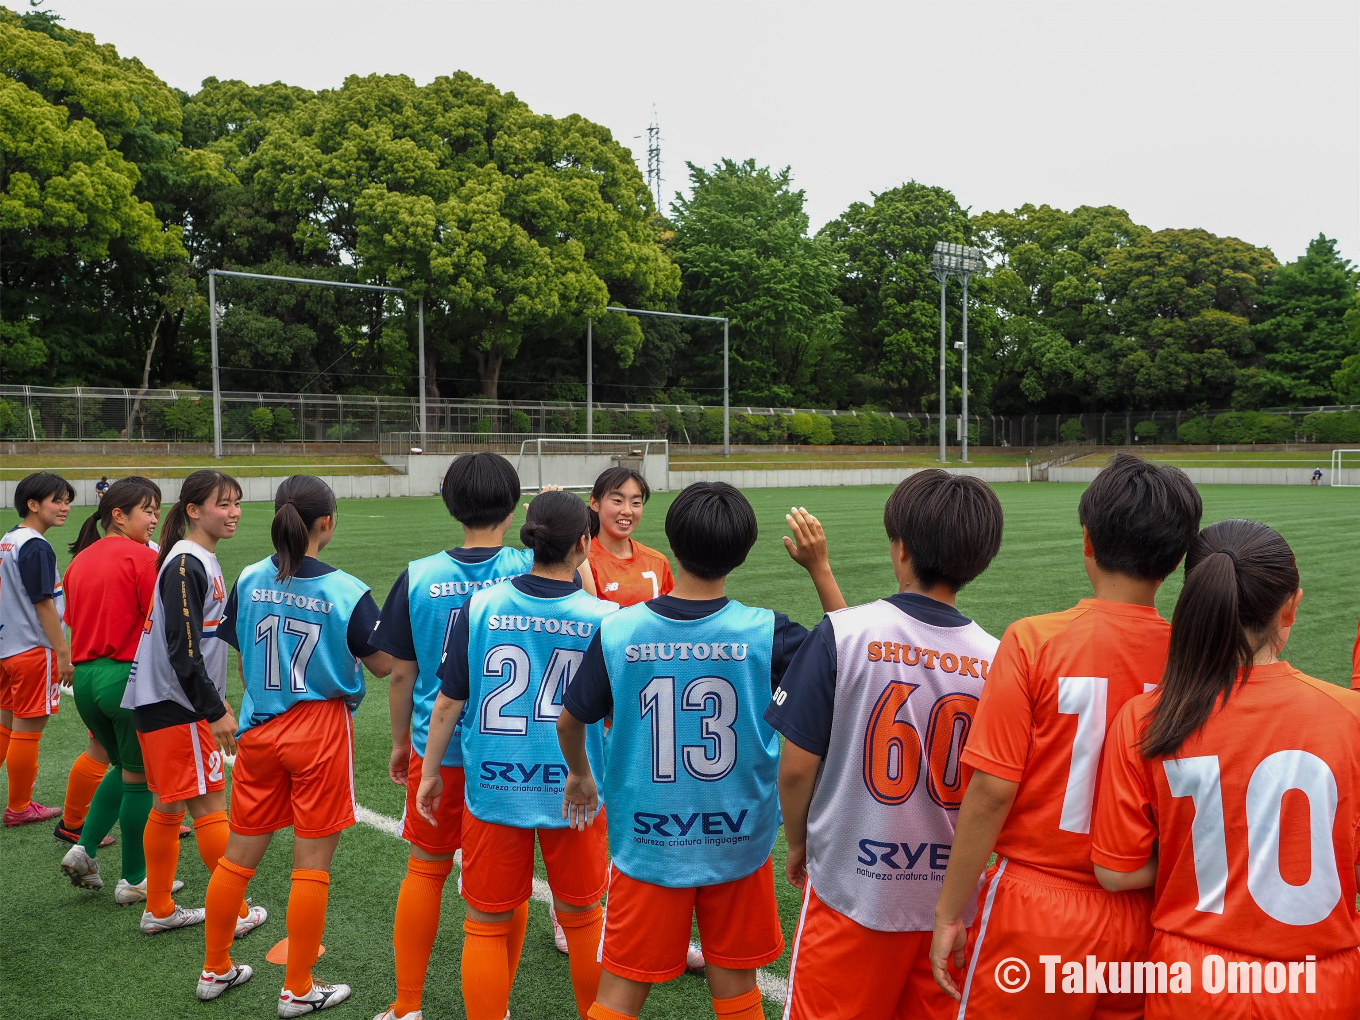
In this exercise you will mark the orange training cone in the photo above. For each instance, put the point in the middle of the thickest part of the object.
(279, 953)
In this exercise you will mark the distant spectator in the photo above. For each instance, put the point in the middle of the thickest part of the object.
(1317, 476)
(102, 486)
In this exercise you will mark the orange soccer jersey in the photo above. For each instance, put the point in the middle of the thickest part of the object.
(646, 576)
(1057, 683)
(1257, 818)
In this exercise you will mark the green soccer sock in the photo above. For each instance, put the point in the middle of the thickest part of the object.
(132, 820)
(103, 811)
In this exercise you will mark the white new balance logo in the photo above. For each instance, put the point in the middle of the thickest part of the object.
(612, 586)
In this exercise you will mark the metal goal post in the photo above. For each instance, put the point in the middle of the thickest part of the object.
(1345, 469)
(214, 316)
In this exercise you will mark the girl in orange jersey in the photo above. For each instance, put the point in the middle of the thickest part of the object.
(625, 571)
(1234, 788)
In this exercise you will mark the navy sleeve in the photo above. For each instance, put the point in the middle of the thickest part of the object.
(226, 630)
(362, 624)
(38, 568)
(803, 703)
(183, 588)
(393, 634)
(454, 681)
(589, 697)
(788, 638)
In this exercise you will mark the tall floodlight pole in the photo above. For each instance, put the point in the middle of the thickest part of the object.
(963, 432)
(948, 260)
(943, 277)
(217, 380)
(590, 385)
(420, 334)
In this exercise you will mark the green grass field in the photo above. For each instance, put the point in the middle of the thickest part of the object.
(66, 953)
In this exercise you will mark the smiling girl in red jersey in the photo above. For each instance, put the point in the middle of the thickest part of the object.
(1234, 787)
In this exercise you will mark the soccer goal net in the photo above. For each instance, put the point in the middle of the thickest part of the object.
(1346, 468)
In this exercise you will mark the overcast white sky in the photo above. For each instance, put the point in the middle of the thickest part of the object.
(1239, 117)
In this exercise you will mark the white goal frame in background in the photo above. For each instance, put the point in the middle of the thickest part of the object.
(1339, 462)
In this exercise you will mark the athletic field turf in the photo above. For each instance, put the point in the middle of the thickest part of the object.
(66, 953)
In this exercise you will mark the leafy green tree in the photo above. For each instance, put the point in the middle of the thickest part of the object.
(1182, 302)
(892, 302)
(90, 140)
(742, 245)
(512, 223)
(1346, 379)
(1303, 338)
(1047, 288)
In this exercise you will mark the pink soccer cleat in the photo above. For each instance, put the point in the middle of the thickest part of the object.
(35, 812)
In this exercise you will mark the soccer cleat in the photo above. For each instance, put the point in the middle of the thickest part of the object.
(125, 893)
(211, 985)
(255, 917)
(390, 1013)
(322, 996)
(183, 917)
(81, 869)
(559, 936)
(185, 831)
(694, 957)
(65, 834)
(35, 812)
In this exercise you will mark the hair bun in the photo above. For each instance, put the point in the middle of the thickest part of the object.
(532, 533)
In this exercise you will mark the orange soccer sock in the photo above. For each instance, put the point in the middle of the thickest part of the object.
(86, 775)
(23, 768)
(5, 734)
(306, 922)
(160, 841)
(211, 833)
(226, 890)
(519, 922)
(415, 928)
(486, 969)
(582, 929)
(745, 1006)
(598, 1012)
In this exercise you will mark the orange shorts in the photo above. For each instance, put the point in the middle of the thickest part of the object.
(1336, 984)
(498, 863)
(842, 970)
(647, 927)
(182, 761)
(296, 769)
(1024, 913)
(447, 836)
(28, 684)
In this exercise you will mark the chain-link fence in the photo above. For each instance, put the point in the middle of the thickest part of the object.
(100, 413)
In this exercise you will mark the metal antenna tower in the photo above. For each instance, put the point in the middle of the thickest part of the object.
(654, 157)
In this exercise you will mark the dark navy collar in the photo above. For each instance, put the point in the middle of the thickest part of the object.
(928, 610)
(685, 609)
(543, 587)
(311, 566)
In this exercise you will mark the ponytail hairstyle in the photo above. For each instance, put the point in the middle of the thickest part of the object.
(612, 480)
(1237, 576)
(126, 494)
(199, 488)
(554, 524)
(301, 500)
